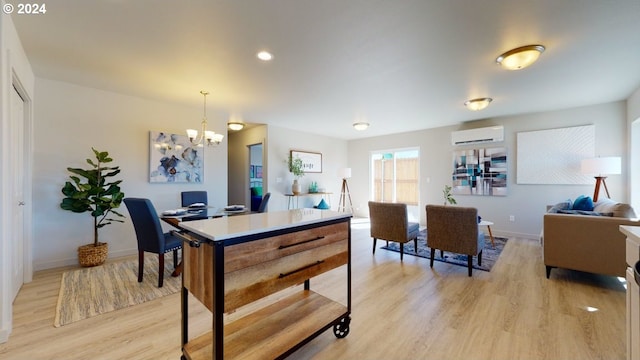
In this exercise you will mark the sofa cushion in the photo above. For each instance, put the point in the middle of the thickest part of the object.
(583, 203)
(564, 205)
(617, 209)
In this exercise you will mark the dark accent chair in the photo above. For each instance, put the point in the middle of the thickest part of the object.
(150, 236)
(192, 197)
(389, 221)
(454, 229)
(263, 204)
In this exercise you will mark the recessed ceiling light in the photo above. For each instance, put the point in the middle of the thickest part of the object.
(265, 56)
(520, 58)
(477, 104)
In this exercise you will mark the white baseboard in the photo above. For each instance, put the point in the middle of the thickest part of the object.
(37, 266)
(4, 335)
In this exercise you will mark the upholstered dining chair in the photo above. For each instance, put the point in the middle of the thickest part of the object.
(263, 204)
(389, 221)
(454, 229)
(193, 197)
(150, 236)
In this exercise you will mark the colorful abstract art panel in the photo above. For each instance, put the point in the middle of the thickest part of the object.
(480, 172)
(173, 159)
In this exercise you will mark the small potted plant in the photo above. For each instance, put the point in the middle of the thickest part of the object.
(448, 197)
(95, 194)
(297, 169)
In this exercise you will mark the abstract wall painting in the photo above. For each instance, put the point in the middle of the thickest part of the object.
(173, 159)
(480, 172)
(553, 156)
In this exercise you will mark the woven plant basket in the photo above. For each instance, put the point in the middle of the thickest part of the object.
(90, 255)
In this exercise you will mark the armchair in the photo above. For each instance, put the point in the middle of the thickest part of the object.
(149, 235)
(454, 229)
(389, 222)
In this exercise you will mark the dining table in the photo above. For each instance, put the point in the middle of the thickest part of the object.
(174, 217)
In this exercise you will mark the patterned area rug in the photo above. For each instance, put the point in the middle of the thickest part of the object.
(489, 254)
(97, 290)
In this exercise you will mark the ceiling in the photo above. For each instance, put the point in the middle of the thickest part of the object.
(399, 65)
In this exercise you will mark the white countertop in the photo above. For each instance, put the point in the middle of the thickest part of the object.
(242, 225)
(632, 232)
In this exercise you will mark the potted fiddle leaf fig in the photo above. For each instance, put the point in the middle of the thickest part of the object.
(92, 190)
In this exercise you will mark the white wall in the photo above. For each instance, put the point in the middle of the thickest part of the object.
(633, 118)
(69, 120)
(526, 202)
(14, 67)
(280, 142)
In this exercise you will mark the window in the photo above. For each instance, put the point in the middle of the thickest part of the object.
(394, 176)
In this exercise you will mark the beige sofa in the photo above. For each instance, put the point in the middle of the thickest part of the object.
(586, 242)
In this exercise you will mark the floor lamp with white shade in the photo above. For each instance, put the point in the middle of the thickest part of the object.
(601, 167)
(345, 173)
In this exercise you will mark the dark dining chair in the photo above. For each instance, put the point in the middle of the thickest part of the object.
(193, 197)
(263, 204)
(150, 236)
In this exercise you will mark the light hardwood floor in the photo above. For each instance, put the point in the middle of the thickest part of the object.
(399, 311)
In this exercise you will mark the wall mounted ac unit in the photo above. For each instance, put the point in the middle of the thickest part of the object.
(478, 136)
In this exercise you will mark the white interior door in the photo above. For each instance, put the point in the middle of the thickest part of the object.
(17, 214)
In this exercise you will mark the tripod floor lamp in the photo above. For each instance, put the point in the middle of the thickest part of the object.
(601, 166)
(344, 192)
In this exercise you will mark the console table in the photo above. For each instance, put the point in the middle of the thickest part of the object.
(293, 198)
(234, 261)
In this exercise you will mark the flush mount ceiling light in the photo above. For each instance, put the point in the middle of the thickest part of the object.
(360, 125)
(520, 58)
(235, 125)
(264, 56)
(477, 104)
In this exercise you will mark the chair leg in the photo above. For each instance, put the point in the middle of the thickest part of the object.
(470, 263)
(433, 254)
(175, 258)
(415, 244)
(160, 269)
(480, 258)
(374, 245)
(549, 271)
(401, 250)
(140, 265)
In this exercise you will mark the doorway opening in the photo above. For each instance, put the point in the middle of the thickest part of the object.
(255, 175)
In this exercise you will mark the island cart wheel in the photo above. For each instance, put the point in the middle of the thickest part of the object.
(341, 329)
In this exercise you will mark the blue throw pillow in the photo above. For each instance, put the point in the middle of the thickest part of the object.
(583, 203)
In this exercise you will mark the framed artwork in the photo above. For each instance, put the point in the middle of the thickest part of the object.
(311, 162)
(480, 172)
(553, 156)
(173, 159)
(252, 171)
(259, 171)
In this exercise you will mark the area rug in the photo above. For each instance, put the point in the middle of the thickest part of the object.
(97, 290)
(489, 253)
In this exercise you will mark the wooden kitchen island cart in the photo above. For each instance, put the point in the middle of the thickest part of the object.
(234, 261)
